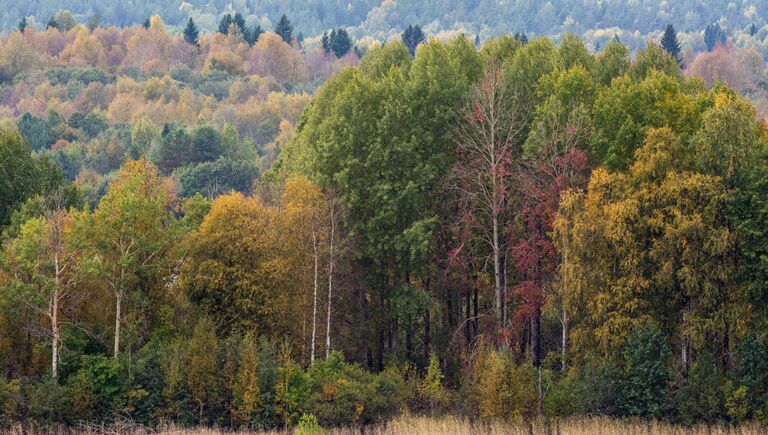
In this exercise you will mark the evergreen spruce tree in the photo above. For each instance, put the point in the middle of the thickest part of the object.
(412, 37)
(146, 24)
(670, 44)
(284, 29)
(341, 43)
(714, 35)
(191, 33)
(22, 24)
(752, 30)
(252, 35)
(239, 21)
(226, 20)
(325, 42)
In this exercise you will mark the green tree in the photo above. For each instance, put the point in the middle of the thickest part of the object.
(670, 44)
(224, 23)
(202, 369)
(412, 37)
(130, 230)
(284, 29)
(646, 374)
(714, 36)
(22, 174)
(340, 42)
(22, 24)
(247, 387)
(191, 34)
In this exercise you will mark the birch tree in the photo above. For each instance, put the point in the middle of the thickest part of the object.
(488, 140)
(44, 260)
(130, 230)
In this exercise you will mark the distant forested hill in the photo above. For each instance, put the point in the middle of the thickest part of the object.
(380, 19)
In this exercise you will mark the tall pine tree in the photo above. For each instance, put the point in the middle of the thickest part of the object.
(284, 29)
(191, 33)
(226, 20)
(325, 42)
(412, 37)
(341, 43)
(252, 35)
(670, 44)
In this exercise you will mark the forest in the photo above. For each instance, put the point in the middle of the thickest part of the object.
(234, 229)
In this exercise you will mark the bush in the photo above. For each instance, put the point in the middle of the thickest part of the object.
(700, 396)
(308, 425)
(500, 388)
(344, 394)
(644, 389)
(217, 177)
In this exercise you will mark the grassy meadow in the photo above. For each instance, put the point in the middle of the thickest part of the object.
(446, 425)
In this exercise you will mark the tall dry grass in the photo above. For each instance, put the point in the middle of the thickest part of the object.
(449, 425)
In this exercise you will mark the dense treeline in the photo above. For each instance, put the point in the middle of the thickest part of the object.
(598, 21)
(526, 229)
(213, 112)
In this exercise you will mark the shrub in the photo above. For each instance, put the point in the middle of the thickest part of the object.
(500, 388)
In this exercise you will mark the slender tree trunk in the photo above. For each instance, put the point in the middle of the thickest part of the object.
(564, 319)
(54, 314)
(475, 305)
(380, 355)
(56, 335)
(426, 334)
(536, 336)
(564, 344)
(539, 393)
(118, 307)
(497, 273)
(314, 298)
(330, 288)
(684, 347)
(468, 308)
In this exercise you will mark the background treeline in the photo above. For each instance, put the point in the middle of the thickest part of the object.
(525, 229)
(378, 19)
(213, 111)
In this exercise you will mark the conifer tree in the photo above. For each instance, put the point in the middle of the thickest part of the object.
(284, 29)
(670, 44)
(340, 42)
(23, 24)
(191, 34)
(226, 20)
(412, 37)
(239, 21)
(252, 35)
(325, 42)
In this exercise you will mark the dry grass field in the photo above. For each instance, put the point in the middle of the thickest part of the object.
(407, 425)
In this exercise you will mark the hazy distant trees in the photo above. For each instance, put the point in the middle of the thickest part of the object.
(412, 37)
(670, 44)
(284, 29)
(191, 34)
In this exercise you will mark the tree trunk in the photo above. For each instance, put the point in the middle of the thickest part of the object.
(536, 336)
(539, 393)
(468, 308)
(426, 335)
(475, 305)
(314, 298)
(330, 288)
(118, 307)
(497, 272)
(564, 345)
(55, 333)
